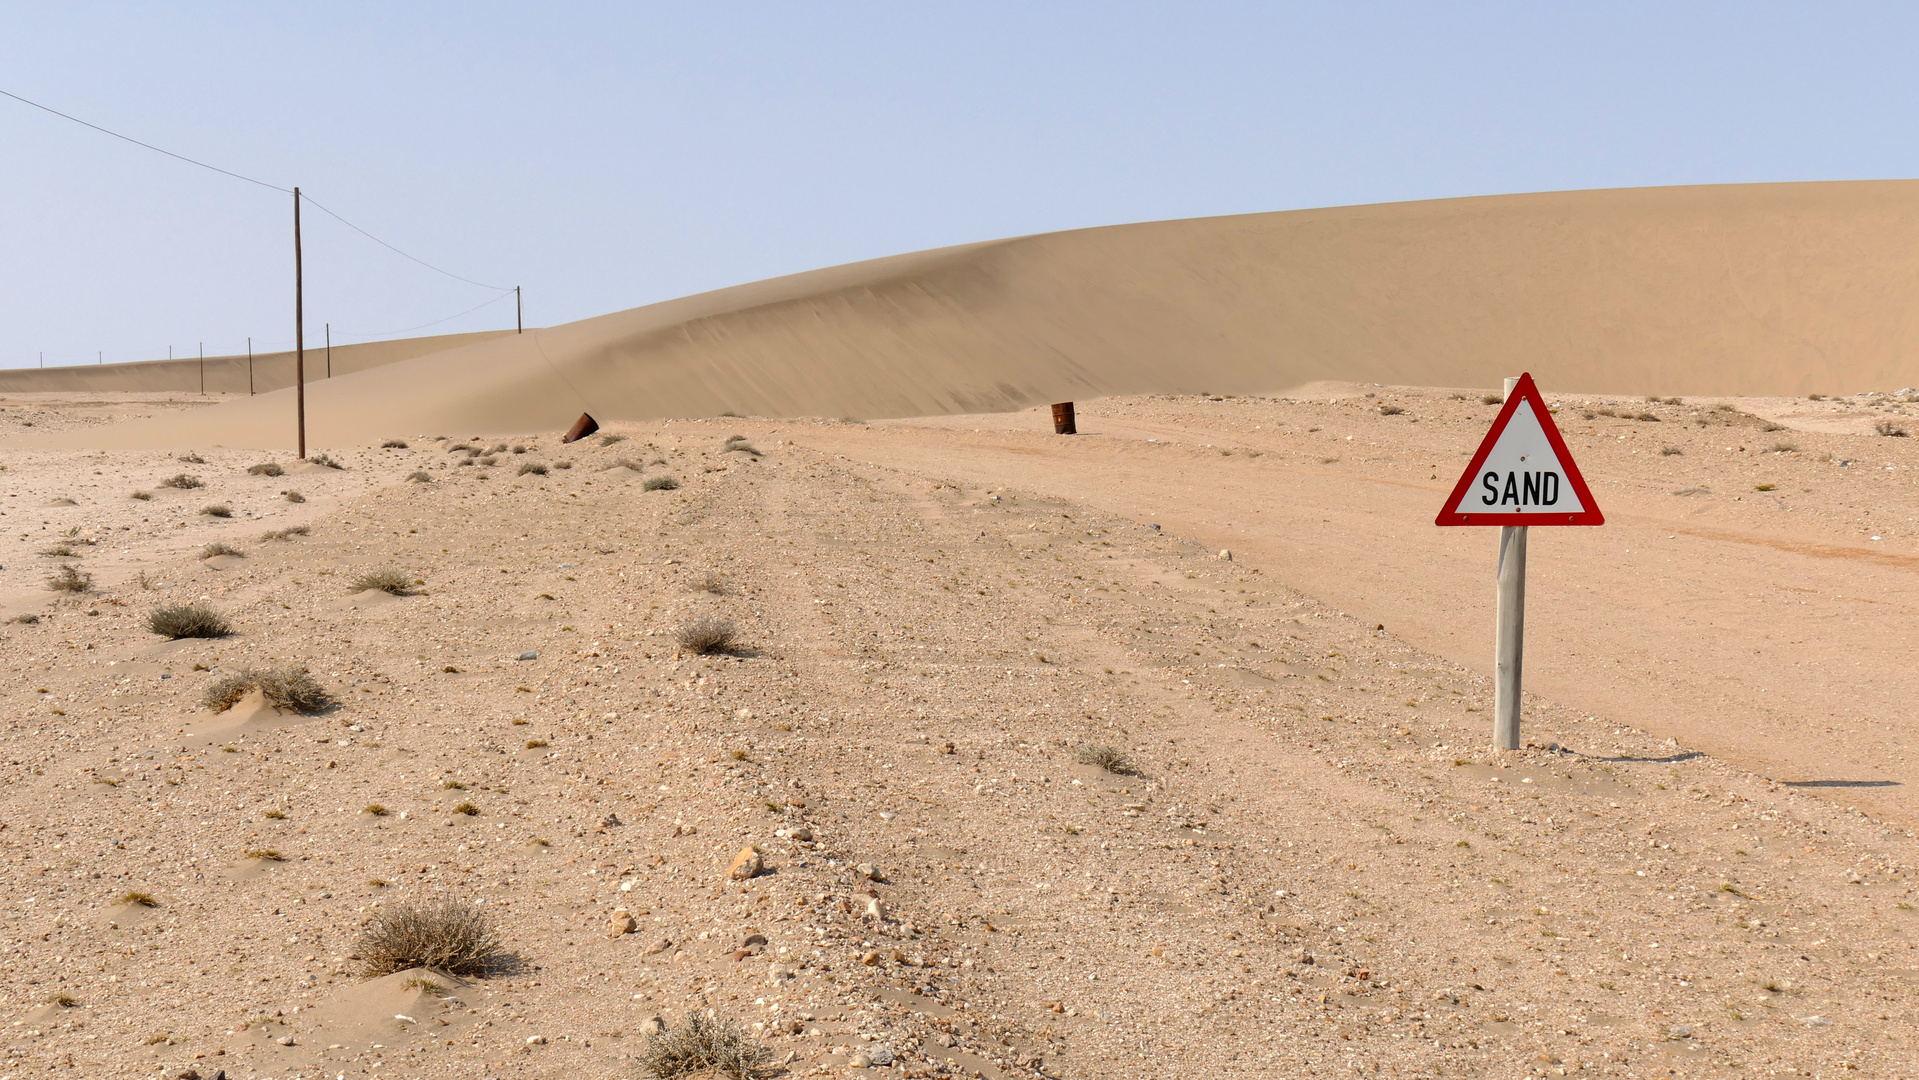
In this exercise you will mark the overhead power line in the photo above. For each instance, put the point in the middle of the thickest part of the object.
(251, 180)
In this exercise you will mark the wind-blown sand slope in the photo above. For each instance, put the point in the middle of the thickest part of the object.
(1747, 289)
(237, 374)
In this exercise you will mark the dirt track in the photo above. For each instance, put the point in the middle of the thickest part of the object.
(1317, 866)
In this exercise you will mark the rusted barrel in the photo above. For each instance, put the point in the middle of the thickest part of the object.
(581, 428)
(1063, 419)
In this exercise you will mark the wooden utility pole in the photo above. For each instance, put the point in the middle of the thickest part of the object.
(329, 350)
(203, 369)
(519, 323)
(299, 330)
(249, 367)
(1509, 634)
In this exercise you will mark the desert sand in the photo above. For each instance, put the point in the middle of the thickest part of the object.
(1746, 289)
(1303, 860)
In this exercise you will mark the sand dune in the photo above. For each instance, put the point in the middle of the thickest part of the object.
(240, 374)
(1749, 289)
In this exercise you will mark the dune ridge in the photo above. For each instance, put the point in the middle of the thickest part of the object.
(229, 374)
(1737, 289)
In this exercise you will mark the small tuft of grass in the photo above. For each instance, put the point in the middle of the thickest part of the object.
(424, 985)
(219, 510)
(535, 744)
(220, 548)
(711, 583)
(1889, 429)
(1670, 451)
(374, 809)
(1493, 399)
(609, 440)
(60, 551)
(1764, 487)
(739, 443)
(65, 1001)
(563, 464)
(1782, 448)
(467, 809)
(70, 579)
(266, 854)
(708, 635)
(385, 580)
(1390, 410)
(452, 936)
(393, 444)
(533, 468)
(739, 755)
(452, 785)
(182, 482)
(28, 619)
(660, 483)
(287, 533)
(1109, 758)
(293, 496)
(325, 460)
(419, 476)
(288, 689)
(191, 458)
(176, 621)
(143, 496)
(704, 1047)
(139, 899)
(266, 468)
(275, 815)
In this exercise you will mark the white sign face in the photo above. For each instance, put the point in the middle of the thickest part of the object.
(1521, 474)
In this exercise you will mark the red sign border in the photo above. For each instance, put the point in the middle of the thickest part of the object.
(1524, 390)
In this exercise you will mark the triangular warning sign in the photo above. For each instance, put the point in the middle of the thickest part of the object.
(1523, 474)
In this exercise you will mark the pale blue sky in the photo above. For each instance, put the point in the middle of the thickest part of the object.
(606, 156)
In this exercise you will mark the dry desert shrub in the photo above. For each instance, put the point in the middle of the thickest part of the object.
(266, 468)
(294, 496)
(563, 464)
(218, 548)
(738, 442)
(536, 468)
(707, 635)
(59, 551)
(288, 689)
(70, 579)
(419, 476)
(326, 460)
(139, 899)
(1109, 758)
(143, 496)
(183, 482)
(219, 510)
(176, 621)
(191, 458)
(609, 440)
(1670, 451)
(1493, 399)
(266, 855)
(453, 937)
(386, 580)
(704, 1047)
(660, 483)
(393, 444)
(1390, 410)
(1782, 448)
(489, 460)
(1889, 429)
(711, 583)
(28, 619)
(286, 533)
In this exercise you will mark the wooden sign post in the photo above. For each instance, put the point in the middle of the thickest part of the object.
(1522, 475)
